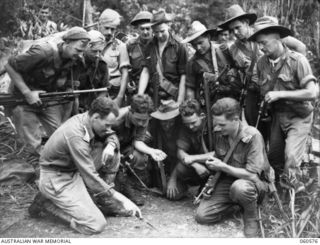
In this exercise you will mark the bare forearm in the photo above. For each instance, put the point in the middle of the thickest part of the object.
(199, 158)
(182, 89)
(17, 79)
(299, 95)
(142, 147)
(124, 81)
(239, 173)
(144, 80)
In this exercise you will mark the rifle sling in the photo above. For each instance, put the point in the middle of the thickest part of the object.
(166, 85)
(217, 175)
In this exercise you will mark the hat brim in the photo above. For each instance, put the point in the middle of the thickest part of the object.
(162, 21)
(250, 16)
(283, 31)
(189, 39)
(139, 22)
(166, 115)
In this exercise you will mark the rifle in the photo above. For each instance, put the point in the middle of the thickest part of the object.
(244, 90)
(128, 166)
(58, 97)
(213, 179)
(207, 78)
(261, 110)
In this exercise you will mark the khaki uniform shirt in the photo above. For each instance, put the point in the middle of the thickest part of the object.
(43, 68)
(295, 74)
(116, 56)
(69, 149)
(136, 50)
(195, 72)
(249, 154)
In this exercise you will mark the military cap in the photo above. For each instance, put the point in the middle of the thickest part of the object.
(97, 39)
(268, 24)
(141, 17)
(235, 12)
(110, 18)
(76, 33)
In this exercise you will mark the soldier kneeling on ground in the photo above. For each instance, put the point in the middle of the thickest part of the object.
(68, 171)
(131, 127)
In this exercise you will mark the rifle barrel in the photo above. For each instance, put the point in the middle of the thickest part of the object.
(74, 92)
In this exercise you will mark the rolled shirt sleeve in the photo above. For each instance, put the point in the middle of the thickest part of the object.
(256, 160)
(304, 72)
(123, 56)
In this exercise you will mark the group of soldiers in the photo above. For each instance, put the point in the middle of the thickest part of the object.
(204, 118)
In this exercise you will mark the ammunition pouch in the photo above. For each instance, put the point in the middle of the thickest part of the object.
(300, 108)
(166, 89)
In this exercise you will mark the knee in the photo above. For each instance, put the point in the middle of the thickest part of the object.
(97, 225)
(201, 217)
(242, 191)
(204, 217)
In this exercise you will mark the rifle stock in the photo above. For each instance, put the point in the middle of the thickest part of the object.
(59, 97)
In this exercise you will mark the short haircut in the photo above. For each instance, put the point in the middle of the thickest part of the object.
(226, 106)
(104, 106)
(141, 103)
(189, 107)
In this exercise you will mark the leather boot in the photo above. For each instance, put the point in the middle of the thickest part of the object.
(42, 207)
(36, 208)
(55, 211)
(250, 220)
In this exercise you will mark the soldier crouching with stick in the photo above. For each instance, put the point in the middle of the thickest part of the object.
(68, 171)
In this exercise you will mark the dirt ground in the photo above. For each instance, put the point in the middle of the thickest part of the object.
(171, 219)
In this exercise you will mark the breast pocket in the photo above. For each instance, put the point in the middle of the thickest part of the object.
(286, 82)
(238, 160)
(112, 58)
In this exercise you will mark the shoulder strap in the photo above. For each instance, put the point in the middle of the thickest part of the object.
(232, 147)
(276, 75)
(222, 56)
(214, 59)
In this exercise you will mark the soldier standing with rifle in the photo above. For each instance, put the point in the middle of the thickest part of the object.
(45, 67)
(137, 48)
(241, 158)
(245, 55)
(287, 84)
(210, 62)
